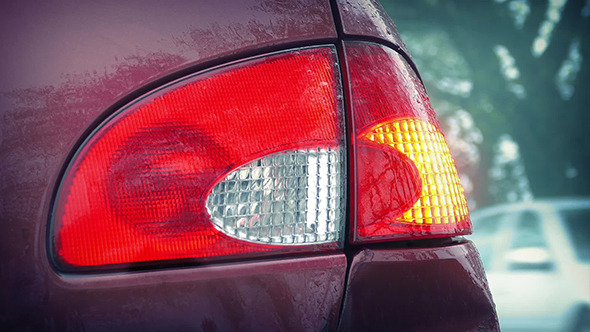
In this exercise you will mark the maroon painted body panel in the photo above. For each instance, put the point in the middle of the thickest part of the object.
(65, 65)
(367, 18)
(302, 294)
(418, 289)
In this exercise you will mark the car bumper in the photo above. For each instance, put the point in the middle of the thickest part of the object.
(410, 289)
(418, 289)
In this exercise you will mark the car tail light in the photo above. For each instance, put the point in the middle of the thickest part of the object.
(241, 160)
(406, 184)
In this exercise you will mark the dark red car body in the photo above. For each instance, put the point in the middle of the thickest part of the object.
(67, 65)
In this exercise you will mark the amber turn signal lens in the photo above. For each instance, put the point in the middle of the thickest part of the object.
(410, 189)
(441, 200)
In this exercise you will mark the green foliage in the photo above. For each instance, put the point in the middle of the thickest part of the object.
(485, 57)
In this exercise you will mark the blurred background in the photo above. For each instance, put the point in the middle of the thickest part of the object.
(510, 82)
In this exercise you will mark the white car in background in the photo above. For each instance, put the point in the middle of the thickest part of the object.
(537, 260)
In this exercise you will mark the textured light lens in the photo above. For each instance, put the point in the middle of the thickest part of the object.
(406, 185)
(136, 191)
(442, 200)
(289, 198)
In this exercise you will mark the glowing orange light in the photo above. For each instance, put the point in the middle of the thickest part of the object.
(442, 200)
(406, 186)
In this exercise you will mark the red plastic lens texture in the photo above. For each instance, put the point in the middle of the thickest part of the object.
(388, 185)
(136, 190)
(406, 183)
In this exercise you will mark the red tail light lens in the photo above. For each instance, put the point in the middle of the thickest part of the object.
(407, 186)
(248, 159)
(241, 160)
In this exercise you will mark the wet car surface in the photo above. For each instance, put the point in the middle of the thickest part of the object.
(71, 66)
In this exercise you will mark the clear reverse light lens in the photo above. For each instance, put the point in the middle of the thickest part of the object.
(292, 197)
